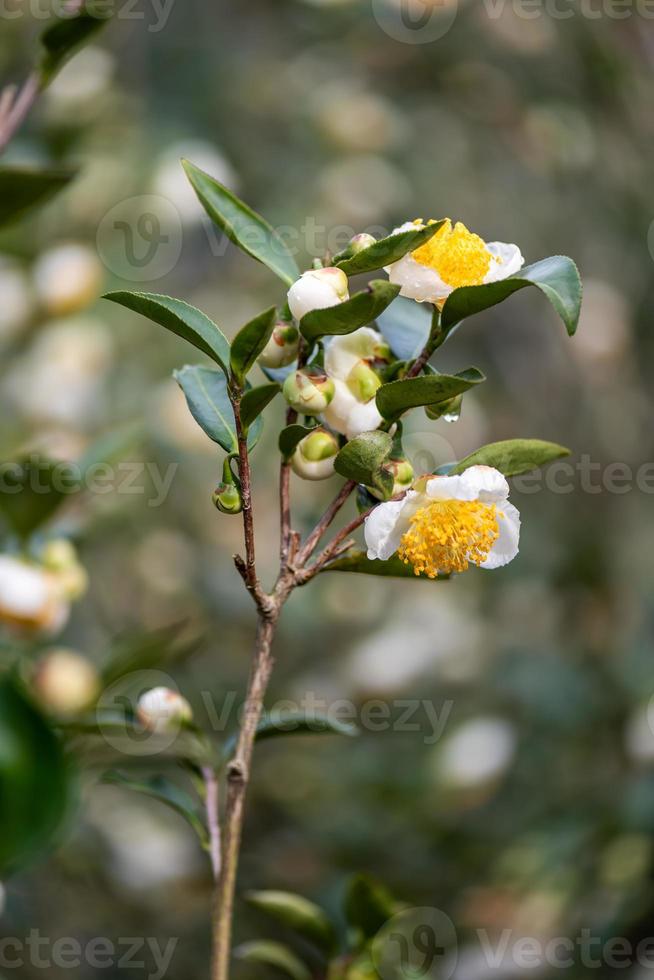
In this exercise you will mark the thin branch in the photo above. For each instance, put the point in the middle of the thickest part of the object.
(332, 549)
(15, 108)
(325, 521)
(213, 817)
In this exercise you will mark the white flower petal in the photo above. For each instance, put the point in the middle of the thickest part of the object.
(364, 417)
(487, 484)
(418, 281)
(451, 488)
(317, 289)
(511, 261)
(337, 413)
(386, 525)
(343, 353)
(506, 547)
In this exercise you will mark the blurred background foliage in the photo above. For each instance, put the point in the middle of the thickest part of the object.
(534, 809)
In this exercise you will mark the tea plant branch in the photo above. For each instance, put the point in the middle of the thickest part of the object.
(325, 521)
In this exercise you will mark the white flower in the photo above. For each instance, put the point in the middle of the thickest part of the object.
(453, 257)
(348, 360)
(31, 597)
(282, 348)
(448, 523)
(162, 710)
(68, 278)
(66, 682)
(478, 753)
(317, 289)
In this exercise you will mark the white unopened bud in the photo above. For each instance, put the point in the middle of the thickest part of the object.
(363, 382)
(282, 348)
(317, 289)
(30, 597)
(67, 279)
(308, 391)
(314, 456)
(162, 710)
(65, 682)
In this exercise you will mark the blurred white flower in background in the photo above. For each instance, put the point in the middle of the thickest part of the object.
(65, 681)
(31, 598)
(639, 734)
(68, 278)
(81, 86)
(17, 300)
(479, 752)
(170, 181)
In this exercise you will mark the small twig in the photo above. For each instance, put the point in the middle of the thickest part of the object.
(325, 521)
(213, 817)
(15, 108)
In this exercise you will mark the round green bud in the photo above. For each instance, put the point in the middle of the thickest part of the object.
(314, 456)
(363, 382)
(403, 476)
(282, 348)
(309, 391)
(227, 498)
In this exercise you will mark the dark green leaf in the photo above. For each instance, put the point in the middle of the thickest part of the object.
(398, 396)
(255, 401)
(362, 460)
(295, 723)
(387, 250)
(361, 309)
(406, 326)
(206, 395)
(242, 225)
(67, 34)
(181, 319)
(250, 341)
(368, 905)
(514, 456)
(358, 562)
(291, 436)
(557, 277)
(298, 913)
(34, 779)
(273, 954)
(167, 792)
(31, 492)
(23, 188)
(451, 409)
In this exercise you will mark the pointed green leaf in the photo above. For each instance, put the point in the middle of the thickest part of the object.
(206, 395)
(180, 318)
(255, 401)
(387, 250)
(242, 225)
(291, 436)
(34, 779)
(557, 277)
(398, 396)
(273, 954)
(250, 341)
(358, 562)
(67, 34)
(167, 792)
(368, 905)
(275, 724)
(361, 309)
(513, 456)
(297, 913)
(406, 325)
(362, 460)
(22, 188)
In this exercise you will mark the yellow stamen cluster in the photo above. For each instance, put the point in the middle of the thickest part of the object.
(458, 256)
(446, 535)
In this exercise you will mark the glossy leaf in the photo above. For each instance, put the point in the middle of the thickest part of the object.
(513, 456)
(406, 326)
(250, 341)
(368, 905)
(291, 436)
(398, 396)
(180, 318)
(255, 401)
(298, 913)
(358, 311)
(166, 792)
(359, 563)
(22, 188)
(206, 395)
(269, 953)
(34, 779)
(66, 35)
(449, 410)
(387, 250)
(557, 277)
(242, 225)
(362, 460)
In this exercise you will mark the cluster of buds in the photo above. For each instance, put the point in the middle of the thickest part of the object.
(35, 597)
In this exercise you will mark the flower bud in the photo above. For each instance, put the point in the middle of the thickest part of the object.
(282, 348)
(314, 456)
(60, 558)
(65, 682)
(317, 289)
(227, 498)
(68, 278)
(363, 382)
(31, 597)
(162, 710)
(402, 472)
(308, 391)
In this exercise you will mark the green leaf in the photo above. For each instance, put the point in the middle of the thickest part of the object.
(362, 460)
(242, 225)
(557, 277)
(361, 309)
(298, 913)
(359, 563)
(513, 456)
(147, 650)
(181, 319)
(368, 905)
(387, 250)
(66, 35)
(398, 396)
(255, 401)
(250, 341)
(406, 325)
(451, 408)
(291, 436)
(31, 492)
(23, 188)
(35, 779)
(206, 395)
(276, 724)
(273, 954)
(167, 792)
